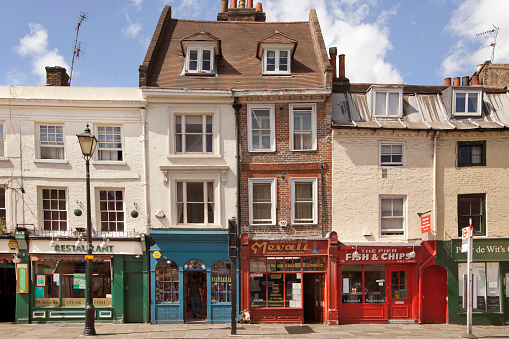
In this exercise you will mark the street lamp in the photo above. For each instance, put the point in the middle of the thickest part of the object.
(88, 142)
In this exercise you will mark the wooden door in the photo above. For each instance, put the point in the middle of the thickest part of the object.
(133, 297)
(434, 295)
(399, 292)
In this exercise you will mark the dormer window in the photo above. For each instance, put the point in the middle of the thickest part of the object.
(199, 60)
(386, 102)
(276, 61)
(466, 103)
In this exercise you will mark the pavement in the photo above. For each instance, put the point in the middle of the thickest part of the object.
(258, 331)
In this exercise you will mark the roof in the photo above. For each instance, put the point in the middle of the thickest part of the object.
(238, 67)
(424, 108)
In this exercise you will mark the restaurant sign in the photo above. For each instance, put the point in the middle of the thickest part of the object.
(288, 247)
(378, 255)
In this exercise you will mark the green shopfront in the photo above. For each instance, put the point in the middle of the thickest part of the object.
(55, 279)
(490, 280)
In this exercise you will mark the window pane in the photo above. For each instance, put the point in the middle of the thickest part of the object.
(193, 60)
(460, 102)
(472, 102)
(374, 276)
(283, 61)
(352, 283)
(206, 60)
(194, 143)
(380, 104)
(271, 61)
(394, 104)
(262, 203)
(258, 291)
(476, 154)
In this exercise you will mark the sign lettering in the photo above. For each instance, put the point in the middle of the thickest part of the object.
(379, 255)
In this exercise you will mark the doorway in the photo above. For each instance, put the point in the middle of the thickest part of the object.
(400, 292)
(133, 298)
(195, 283)
(434, 293)
(314, 301)
(7, 293)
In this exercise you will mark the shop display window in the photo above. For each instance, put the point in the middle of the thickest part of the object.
(167, 282)
(364, 283)
(276, 282)
(486, 289)
(67, 279)
(221, 274)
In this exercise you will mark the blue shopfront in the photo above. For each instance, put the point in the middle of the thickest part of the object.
(180, 259)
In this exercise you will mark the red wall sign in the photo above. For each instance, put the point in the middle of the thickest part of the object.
(378, 255)
(426, 223)
(287, 247)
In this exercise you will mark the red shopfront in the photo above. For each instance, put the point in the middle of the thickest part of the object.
(289, 281)
(378, 284)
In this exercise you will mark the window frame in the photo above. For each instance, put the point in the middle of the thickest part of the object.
(467, 92)
(277, 49)
(314, 182)
(219, 279)
(199, 69)
(404, 217)
(272, 135)
(3, 205)
(302, 107)
(402, 163)
(51, 211)
(273, 188)
(174, 285)
(40, 146)
(98, 149)
(2, 139)
(482, 216)
(108, 211)
(387, 92)
(183, 133)
(470, 144)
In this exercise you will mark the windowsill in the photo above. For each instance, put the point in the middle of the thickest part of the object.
(262, 151)
(471, 165)
(101, 162)
(393, 237)
(304, 150)
(194, 156)
(254, 225)
(211, 74)
(276, 75)
(194, 226)
(4, 159)
(461, 114)
(392, 165)
(387, 116)
(51, 161)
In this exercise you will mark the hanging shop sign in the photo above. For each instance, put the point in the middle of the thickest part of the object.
(378, 255)
(426, 223)
(287, 247)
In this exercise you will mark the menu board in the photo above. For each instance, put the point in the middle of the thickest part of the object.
(276, 290)
(493, 304)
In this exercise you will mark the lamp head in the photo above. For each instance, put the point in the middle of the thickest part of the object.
(88, 142)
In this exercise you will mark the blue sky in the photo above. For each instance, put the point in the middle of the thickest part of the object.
(416, 42)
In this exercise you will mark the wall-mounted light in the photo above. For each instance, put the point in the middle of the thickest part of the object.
(16, 259)
(78, 243)
(412, 254)
(356, 254)
(103, 244)
(52, 243)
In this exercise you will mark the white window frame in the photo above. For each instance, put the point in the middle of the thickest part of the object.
(98, 191)
(467, 94)
(387, 92)
(62, 146)
(58, 210)
(204, 176)
(273, 188)
(272, 118)
(199, 70)
(277, 49)
(2, 139)
(404, 217)
(183, 133)
(402, 163)
(314, 182)
(98, 149)
(297, 107)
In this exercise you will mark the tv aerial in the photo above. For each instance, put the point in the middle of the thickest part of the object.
(79, 47)
(493, 32)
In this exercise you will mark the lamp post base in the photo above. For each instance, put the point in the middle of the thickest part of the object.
(89, 320)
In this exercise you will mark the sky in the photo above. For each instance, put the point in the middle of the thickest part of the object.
(418, 42)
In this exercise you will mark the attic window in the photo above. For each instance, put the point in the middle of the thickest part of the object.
(276, 61)
(466, 103)
(387, 102)
(199, 60)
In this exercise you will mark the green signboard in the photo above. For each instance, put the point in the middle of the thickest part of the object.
(484, 250)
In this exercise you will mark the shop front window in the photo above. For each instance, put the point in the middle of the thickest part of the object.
(486, 289)
(221, 281)
(167, 282)
(363, 283)
(68, 279)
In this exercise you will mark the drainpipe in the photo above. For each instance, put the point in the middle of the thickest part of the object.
(143, 113)
(237, 106)
(323, 167)
(435, 218)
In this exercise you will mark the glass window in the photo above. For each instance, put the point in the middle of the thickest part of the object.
(387, 103)
(109, 146)
(195, 202)
(260, 130)
(466, 103)
(303, 127)
(111, 203)
(276, 61)
(262, 201)
(392, 215)
(258, 290)
(392, 153)
(54, 209)
(221, 272)
(486, 289)
(471, 153)
(352, 283)
(200, 61)
(193, 134)
(47, 289)
(364, 283)
(167, 282)
(374, 280)
(194, 264)
(472, 207)
(304, 201)
(3, 210)
(51, 139)
(399, 285)
(2, 140)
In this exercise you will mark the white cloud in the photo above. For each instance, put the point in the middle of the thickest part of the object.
(34, 45)
(470, 18)
(132, 30)
(346, 24)
(15, 77)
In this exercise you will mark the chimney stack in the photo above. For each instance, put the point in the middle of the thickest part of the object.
(342, 74)
(464, 81)
(333, 51)
(57, 76)
(259, 7)
(456, 81)
(447, 82)
(245, 11)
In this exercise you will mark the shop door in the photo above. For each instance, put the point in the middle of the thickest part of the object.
(434, 293)
(7, 294)
(314, 302)
(133, 297)
(400, 292)
(194, 281)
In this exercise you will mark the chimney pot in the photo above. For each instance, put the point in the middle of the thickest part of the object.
(259, 7)
(249, 3)
(57, 76)
(233, 4)
(224, 6)
(475, 80)
(342, 74)
(447, 82)
(333, 51)
(242, 3)
(464, 81)
(456, 81)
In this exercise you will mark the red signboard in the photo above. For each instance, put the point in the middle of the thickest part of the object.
(426, 223)
(378, 255)
(287, 247)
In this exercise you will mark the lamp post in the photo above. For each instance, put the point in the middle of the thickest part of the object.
(88, 142)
